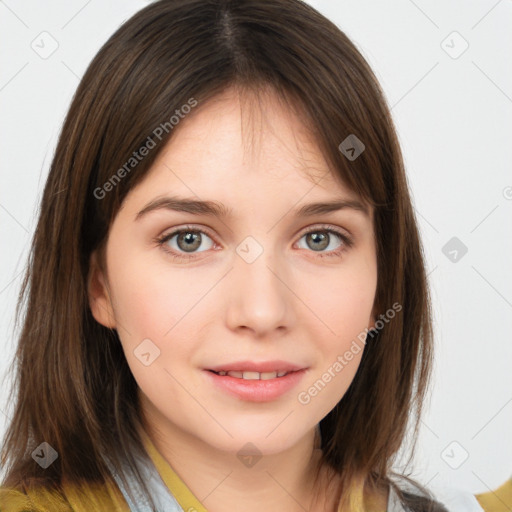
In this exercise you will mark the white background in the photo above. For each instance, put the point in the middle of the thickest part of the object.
(454, 119)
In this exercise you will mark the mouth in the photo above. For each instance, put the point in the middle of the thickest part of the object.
(248, 375)
(256, 382)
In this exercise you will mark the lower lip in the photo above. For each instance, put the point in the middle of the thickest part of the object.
(257, 390)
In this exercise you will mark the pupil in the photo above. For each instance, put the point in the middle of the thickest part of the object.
(319, 237)
(192, 241)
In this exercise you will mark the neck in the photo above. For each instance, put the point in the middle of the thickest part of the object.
(291, 480)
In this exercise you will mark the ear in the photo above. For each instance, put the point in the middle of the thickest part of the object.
(98, 294)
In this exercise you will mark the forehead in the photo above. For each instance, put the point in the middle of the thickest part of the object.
(244, 146)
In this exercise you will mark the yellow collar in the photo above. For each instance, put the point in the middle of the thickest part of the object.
(171, 479)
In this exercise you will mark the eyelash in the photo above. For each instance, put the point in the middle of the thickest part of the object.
(347, 241)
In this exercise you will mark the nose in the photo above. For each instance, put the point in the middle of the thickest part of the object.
(258, 297)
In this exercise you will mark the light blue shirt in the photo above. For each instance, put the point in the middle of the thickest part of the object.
(454, 500)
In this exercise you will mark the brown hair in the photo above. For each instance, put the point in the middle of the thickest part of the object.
(73, 386)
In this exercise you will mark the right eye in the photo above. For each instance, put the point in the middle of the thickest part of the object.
(184, 242)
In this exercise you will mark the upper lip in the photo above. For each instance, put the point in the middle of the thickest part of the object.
(253, 366)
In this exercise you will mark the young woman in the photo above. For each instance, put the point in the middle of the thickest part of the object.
(226, 301)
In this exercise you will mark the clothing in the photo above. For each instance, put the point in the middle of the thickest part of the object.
(171, 494)
(499, 500)
(168, 491)
(449, 499)
(166, 486)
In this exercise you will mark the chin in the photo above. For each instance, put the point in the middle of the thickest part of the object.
(254, 441)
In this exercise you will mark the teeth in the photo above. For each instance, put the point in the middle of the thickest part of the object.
(253, 375)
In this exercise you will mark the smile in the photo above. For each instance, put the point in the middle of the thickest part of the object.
(255, 386)
(252, 375)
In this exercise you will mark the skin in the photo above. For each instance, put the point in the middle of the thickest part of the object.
(288, 304)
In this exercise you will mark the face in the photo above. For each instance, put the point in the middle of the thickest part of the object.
(256, 289)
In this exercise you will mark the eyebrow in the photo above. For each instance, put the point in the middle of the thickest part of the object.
(217, 209)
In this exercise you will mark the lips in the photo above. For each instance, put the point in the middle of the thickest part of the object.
(245, 386)
(252, 367)
(252, 375)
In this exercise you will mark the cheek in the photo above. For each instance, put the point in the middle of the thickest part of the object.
(343, 306)
(151, 299)
(169, 307)
(343, 303)
(155, 311)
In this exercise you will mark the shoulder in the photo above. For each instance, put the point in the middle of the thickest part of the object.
(12, 500)
(499, 499)
(72, 499)
(408, 496)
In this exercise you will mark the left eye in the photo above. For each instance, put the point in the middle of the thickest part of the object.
(320, 239)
